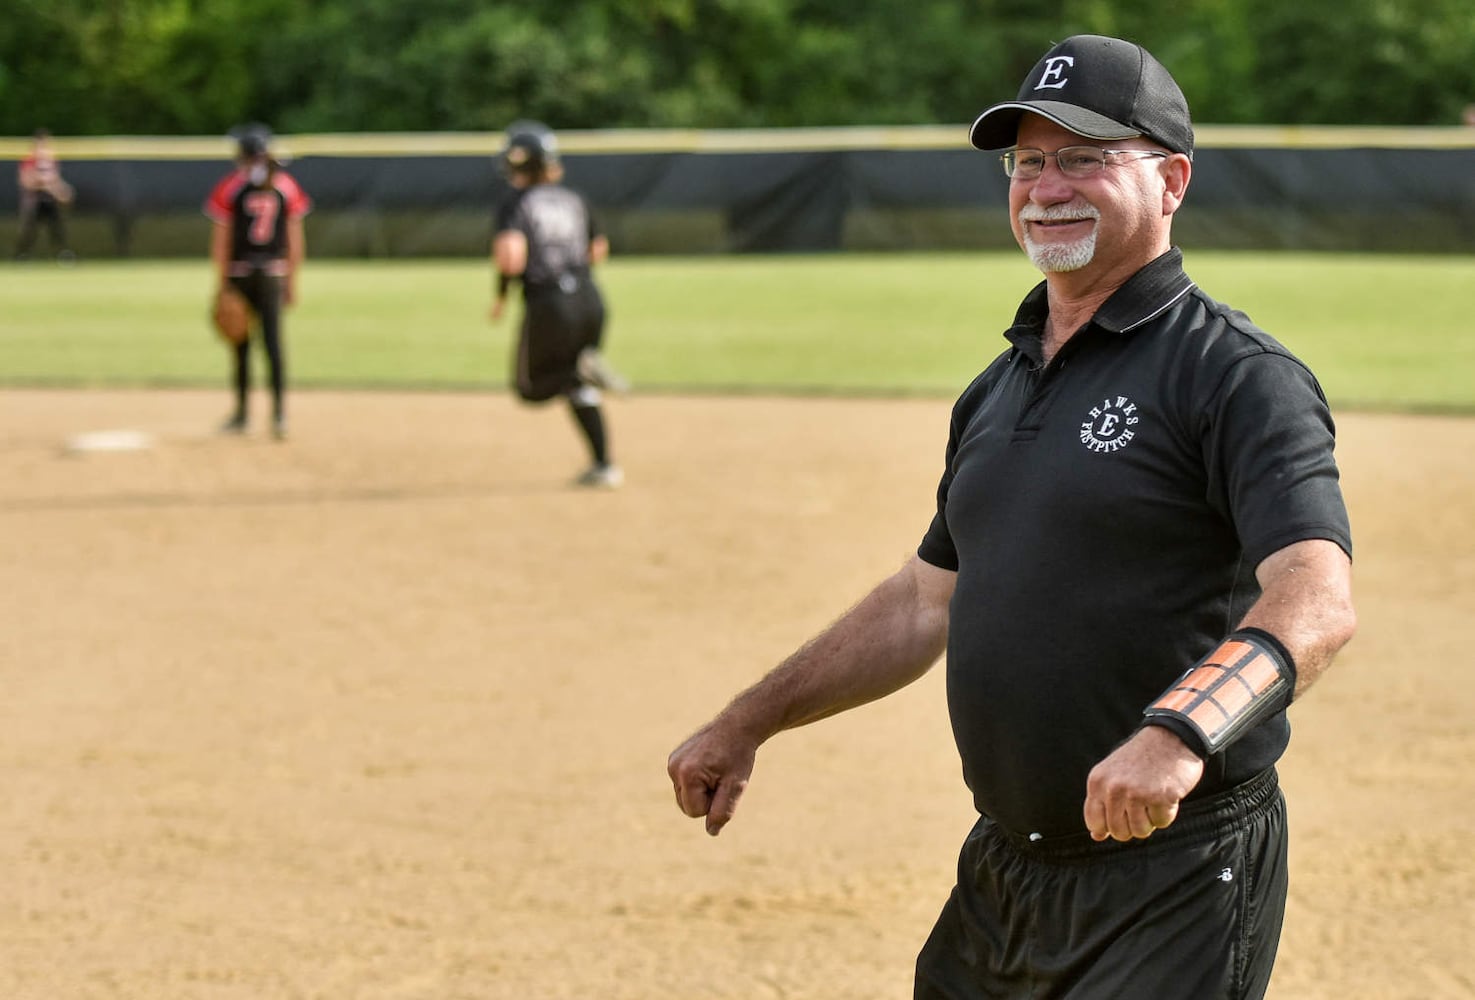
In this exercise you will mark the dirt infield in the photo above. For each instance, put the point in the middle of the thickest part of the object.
(383, 711)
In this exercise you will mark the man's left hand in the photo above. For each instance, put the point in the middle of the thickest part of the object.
(1137, 788)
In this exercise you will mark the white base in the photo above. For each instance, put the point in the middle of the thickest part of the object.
(121, 440)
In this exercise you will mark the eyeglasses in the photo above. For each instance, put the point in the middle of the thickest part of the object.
(1074, 161)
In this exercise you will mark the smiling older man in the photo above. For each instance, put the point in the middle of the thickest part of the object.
(1140, 556)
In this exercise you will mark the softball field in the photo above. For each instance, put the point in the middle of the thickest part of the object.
(383, 711)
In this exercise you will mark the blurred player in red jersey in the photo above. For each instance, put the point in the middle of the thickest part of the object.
(258, 245)
(43, 193)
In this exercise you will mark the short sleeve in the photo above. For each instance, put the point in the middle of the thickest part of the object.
(218, 204)
(1269, 443)
(295, 199)
(937, 546)
(508, 213)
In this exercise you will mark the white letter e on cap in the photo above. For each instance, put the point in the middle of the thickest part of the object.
(1055, 68)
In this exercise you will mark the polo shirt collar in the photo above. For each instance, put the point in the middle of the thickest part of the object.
(1145, 295)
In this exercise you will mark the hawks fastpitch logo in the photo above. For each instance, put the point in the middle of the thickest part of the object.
(1110, 425)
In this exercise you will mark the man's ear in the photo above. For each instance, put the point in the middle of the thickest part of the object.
(1177, 169)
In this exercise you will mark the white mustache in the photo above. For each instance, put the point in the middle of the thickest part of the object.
(1057, 213)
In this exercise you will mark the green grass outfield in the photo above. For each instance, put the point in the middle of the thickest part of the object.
(1382, 332)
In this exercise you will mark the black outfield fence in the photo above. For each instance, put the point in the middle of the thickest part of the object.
(811, 190)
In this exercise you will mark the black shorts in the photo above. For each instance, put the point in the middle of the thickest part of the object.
(1192, 913)
(559, 321)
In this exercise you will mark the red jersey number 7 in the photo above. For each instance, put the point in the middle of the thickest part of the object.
(262, 207)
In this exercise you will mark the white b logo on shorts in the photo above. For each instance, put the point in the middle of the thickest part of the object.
(1109, 426)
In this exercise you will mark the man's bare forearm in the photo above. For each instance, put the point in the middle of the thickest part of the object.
(883, 643)
(1306, 603)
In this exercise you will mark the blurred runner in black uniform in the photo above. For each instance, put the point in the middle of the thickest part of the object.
(547, 238)
(258, 245)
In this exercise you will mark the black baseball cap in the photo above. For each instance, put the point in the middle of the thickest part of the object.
(1098, 87)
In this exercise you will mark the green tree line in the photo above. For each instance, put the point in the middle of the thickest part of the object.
(196, 67)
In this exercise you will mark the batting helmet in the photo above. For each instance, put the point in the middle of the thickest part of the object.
(251, 140)
(531, 147)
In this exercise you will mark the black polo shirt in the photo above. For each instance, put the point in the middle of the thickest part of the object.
(1105, 515)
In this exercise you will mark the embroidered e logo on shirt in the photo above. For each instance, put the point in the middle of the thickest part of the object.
(1108, 426)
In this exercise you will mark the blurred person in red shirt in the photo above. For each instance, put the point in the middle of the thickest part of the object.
(258, 245)
(43, 194)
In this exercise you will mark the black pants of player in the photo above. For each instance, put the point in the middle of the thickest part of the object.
(560, 320)
(33, 212)
(1192, 913)
(264, 292)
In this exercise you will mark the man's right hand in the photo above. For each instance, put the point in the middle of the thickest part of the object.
(709, 773)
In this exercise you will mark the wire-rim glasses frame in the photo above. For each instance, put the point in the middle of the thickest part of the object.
(1026, 163)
